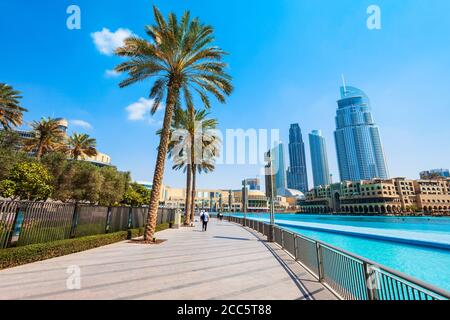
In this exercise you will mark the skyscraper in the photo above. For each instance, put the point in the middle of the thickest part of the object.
(358, 143)
(319, 159)
(277, 167)
(297, 174)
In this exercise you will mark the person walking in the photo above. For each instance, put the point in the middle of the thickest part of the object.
(205, 219)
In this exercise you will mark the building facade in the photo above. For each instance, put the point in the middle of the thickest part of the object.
(380, 196)
(435, 173)
(358, 144)
(297, 176)
(214, 200)
(319, 159)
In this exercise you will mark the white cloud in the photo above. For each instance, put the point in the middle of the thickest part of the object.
(81, 123)
(107, 42)
(112, 74)
(140, 110)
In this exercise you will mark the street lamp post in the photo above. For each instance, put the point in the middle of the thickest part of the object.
(245, 200)
(272, 203)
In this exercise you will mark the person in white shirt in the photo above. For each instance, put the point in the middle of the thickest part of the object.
(205, 219)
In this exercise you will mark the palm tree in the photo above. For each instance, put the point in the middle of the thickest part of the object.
(210, 151)
(81, 146)
(193, 147)
(47, 137)
(182, 61)
(11, 113)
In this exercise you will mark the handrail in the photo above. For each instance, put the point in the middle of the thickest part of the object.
(431, 290)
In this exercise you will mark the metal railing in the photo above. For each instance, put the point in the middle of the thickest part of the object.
(24, 223)
(351, 277)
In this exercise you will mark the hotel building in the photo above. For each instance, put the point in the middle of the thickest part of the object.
(358, 144)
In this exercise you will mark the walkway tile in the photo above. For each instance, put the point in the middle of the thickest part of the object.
(227, 262)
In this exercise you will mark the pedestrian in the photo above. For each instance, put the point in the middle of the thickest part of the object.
(205, 219)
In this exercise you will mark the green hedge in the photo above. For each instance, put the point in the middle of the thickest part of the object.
(14, 257)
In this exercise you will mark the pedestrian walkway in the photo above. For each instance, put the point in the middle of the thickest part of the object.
(227, 262)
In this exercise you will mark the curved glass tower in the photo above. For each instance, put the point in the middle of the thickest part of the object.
(358, 143)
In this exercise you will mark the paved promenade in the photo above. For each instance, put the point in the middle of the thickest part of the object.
(228, 262)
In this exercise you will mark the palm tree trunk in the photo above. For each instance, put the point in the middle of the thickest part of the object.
(39, 152)
(187, 207)
(158, 176)
(194, 176)
(191, 166)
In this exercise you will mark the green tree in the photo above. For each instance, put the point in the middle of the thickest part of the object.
(47, 137)
(9, 140)
(7, 189)
(28, 181)
(182, 60)
(81, 182)
(9, 155)
(11, 112)
(114, 184)
(136, 195)
(57, 164)
(81, 146)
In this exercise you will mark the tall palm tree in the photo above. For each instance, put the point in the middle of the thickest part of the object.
(81, 145)
(182, 61)
(193, 147)
(11, 113)
(47, 137)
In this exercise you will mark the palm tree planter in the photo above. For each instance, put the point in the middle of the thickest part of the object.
(181, 60)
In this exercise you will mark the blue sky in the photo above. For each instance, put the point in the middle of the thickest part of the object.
(286, 57)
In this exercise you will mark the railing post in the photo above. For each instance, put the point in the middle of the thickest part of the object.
(73, 228)
(320, 262)
(370, 286)
(270, 236)
(108, 220)
(282, 238)
(295, 247)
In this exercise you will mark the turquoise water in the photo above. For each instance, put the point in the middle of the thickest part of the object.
(431, 265)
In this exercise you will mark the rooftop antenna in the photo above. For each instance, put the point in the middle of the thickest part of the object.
(343, 82)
